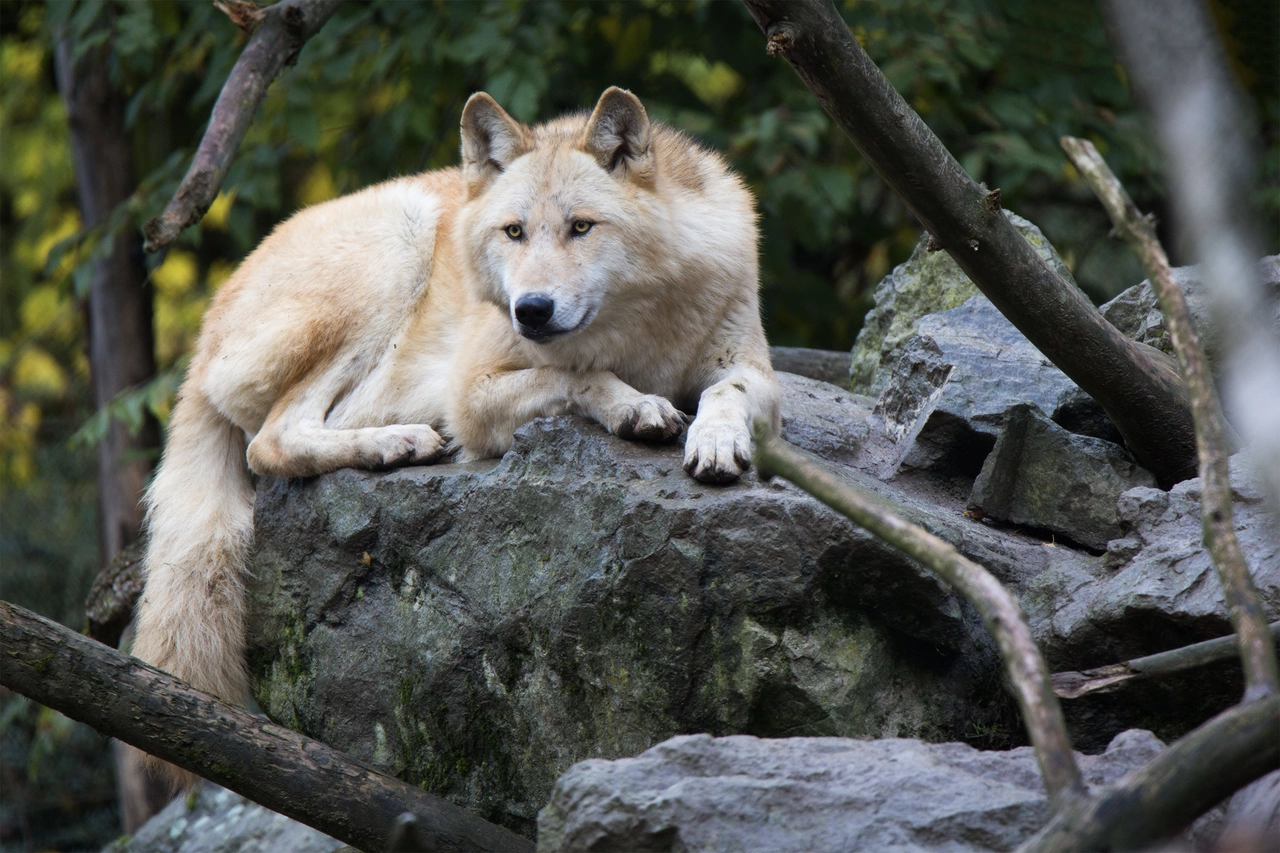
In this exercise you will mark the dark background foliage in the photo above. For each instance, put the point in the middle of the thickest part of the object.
(378, 93)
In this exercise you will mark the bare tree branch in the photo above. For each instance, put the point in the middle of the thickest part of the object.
(281, 31)
(1177, 786)
(124, 698)
(1139, 388)
(1243, 602)
(1000, 612)
(1102, 679)
(1203, 127)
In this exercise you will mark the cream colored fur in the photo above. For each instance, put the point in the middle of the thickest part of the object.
(366, 330)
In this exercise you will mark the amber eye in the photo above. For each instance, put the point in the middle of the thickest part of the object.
(582, 226)
(514, 231)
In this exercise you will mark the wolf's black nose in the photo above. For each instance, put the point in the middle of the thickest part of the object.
(534, 310)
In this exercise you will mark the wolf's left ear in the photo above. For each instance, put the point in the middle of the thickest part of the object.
(491, 139)
(618, 132)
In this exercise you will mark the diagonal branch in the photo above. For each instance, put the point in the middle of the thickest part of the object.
(1243, 602)
(304, 779)
(999, 610)
(1139, 388)
(1202, 123)
(281, 31)
(1102, 679)
(1163, 797)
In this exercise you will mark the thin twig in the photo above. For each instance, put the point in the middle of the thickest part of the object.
(1244, 605)
(1164, 796)
(999, 610)
(1103, 679)
(301, 778)
(1202, 122)
(281, 31)
(1140, 390)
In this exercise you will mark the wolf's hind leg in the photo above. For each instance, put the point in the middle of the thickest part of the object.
(295, 442)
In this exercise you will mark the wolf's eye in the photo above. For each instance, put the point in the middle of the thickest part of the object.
(514, 231)
(582, 226)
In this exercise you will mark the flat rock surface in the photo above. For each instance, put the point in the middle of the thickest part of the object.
(818, 795)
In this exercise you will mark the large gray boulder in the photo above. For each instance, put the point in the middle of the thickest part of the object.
(478, 628)
(1158, 578)
(817, 795)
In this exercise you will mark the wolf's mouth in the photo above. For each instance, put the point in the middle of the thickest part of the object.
(546, 336)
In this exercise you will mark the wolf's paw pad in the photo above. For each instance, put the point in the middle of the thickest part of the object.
(717, 452)
(410, 445)
(647, 418)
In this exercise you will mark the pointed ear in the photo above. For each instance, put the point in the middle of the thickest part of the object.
(618, 132)
(491, 139)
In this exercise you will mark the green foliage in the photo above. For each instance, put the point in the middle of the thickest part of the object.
(379, 90)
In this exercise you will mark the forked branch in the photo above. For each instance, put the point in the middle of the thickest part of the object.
(1000, 612)
(1244, 605)
(279, 33)
(304, 779)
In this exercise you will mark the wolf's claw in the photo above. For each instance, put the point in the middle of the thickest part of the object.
(717, 452)
(648, 418)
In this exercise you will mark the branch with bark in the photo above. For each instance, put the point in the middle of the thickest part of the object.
(1244, 605)
(279, 33)
(1137, 386)
(290, 773)
(1156, 801)
(1028, 675)
(1102, 679)
(1202, 125)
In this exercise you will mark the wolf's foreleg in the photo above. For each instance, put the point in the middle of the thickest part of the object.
(718, 447)
(495, 404)
(295, 442)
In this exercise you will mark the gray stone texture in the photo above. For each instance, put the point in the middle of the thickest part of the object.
(928, 283)
(817, 795)
(214, 820)
(1040, 475)
(476, 629)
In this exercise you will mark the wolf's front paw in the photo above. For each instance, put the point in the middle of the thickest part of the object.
(646, 418)
(717, 451)
(416, 444)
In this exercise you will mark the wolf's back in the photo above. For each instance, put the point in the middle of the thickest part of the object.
(200, 523)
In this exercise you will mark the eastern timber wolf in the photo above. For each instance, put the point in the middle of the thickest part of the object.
(599, 264)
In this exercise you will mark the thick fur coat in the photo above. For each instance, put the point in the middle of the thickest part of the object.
(598, 264)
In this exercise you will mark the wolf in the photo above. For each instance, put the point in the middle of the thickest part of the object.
(600, 264)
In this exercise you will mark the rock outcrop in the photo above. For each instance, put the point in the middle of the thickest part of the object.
(820, 795)
(477, 629)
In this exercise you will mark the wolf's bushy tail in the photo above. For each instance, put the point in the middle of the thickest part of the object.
(200, 525)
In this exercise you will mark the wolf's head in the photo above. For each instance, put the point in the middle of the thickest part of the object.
(559, 216)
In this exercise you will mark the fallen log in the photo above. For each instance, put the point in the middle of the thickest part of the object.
(292, 774)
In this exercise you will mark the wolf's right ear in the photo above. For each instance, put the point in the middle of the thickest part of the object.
(491, 140)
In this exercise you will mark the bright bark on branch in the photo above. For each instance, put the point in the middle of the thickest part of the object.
(1028, 676)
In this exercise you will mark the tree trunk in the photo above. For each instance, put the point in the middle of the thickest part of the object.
(121, 340)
